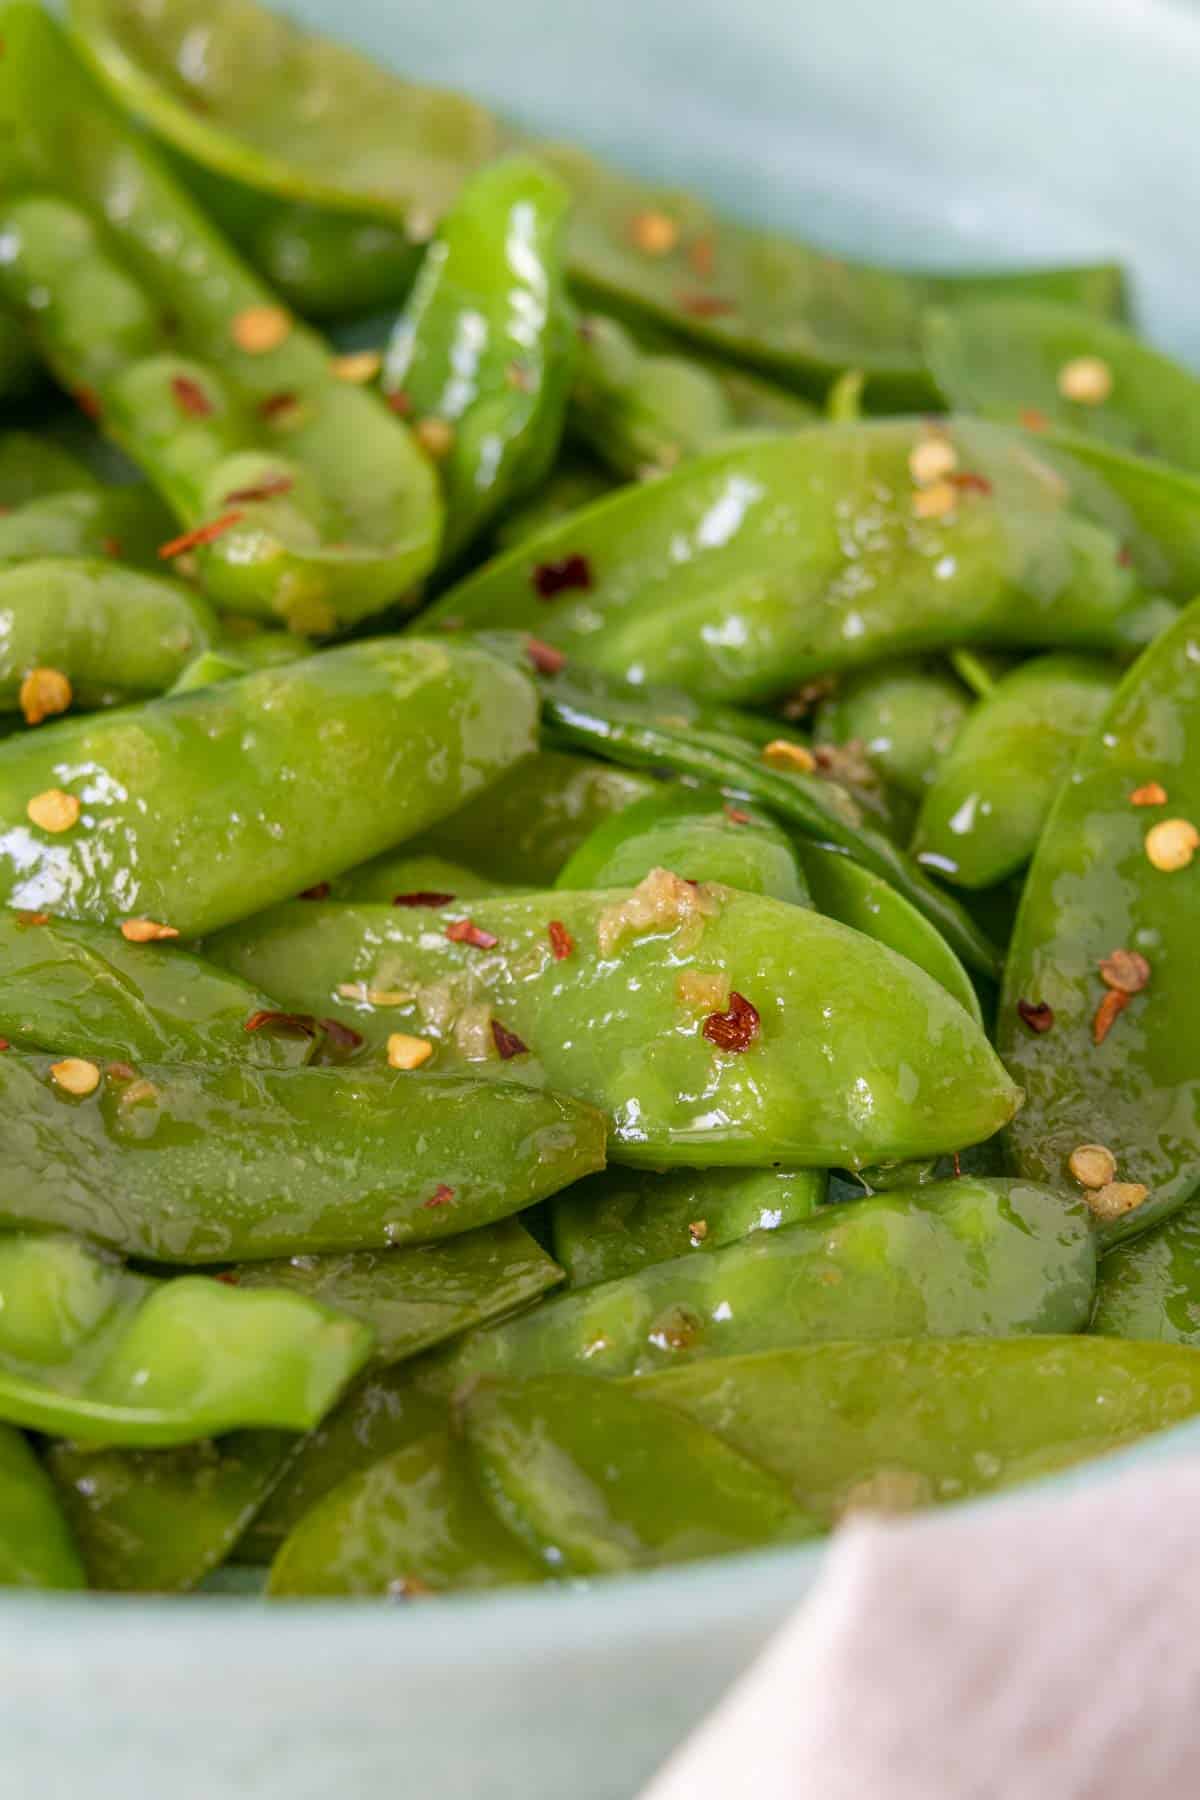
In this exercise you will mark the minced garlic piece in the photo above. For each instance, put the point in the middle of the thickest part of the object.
(936, 501)
(662, 902)
(703, 989)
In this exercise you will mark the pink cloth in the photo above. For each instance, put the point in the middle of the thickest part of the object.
(1048, 1649)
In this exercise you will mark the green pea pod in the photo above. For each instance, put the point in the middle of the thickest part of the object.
(403, 873)
(1150, 1288)
(617, 724)
(92, 1351)
(192, 1165)
(621, 1221)
(573, 482)
(108, 629)
(905, 715)
(413, 1523)
(752, 569)
(583, 1475)
(484, 349)
(227, 403)
(34, 467)
(1093, 890)
(985, 808)
(618, 1004)
(323, 755)
(125, 523)
(690, 833)
(82, 991)
(240, 654)
(1013, 358)
(1154, 510)
(36, 1550)
(904, 1424)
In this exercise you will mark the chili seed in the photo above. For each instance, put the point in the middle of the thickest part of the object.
(405, 1052)
(76, 1076)
(930, 459)
(261, 328)
(435, 436)
(54, 810)
(936, 501)
(1092, 1165)
(654, 233)
(783, 753)
(1171, 844)
(1116, 1198)
(1087, 380)
(359, 367)
(146, 931)
(44, 692)
(1151, 793)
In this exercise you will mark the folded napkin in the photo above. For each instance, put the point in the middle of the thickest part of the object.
(1046, 1649)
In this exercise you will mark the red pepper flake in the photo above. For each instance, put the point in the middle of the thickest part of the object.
(544, 657)
(1125, 556)
(704, 306)
(561, 941)
(111, 546)
(702, 255)
(1037, 1014)
(970, 481)
(1109, 1010)
(441, 1196)
(399, 402)
(551, 578)
(4, 1045)
(1151, 793)
(88, 402)
(190, 397)
(507, 1042)
(341, 1037)
(203, 534)
(957, 1166)
(33, 918)
(320, 891)
(263, 490)
(276, 404)
(423, 897)
(1033, 418)
(121, 1071)
(290, 1024)
(735, 1029)
(229, 1277)
(736, 816)
(465, 931)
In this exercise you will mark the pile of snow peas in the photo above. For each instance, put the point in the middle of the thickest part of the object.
(599, 816)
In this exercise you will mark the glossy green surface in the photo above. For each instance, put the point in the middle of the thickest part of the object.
(624, 1220)
(36, 1550)
(953, 1259)
(92, 1351)
(1092, 890)
(1006, 358)
(360, 522)
(485, 343)
(127, 523)
(575, 481)
(984, 810)
(34, 467)
(192, 1165)
(860, 1055)
(920, 1421)
(320, 753)
(406, 871)
(108, 629)
(754, 568)
(904, 714)
(1150, 1288)
(412, 1523)
(585, 1476)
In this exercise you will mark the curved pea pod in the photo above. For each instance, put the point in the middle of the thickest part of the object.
(36, 1549)
(586, 1476)
(690, 833)
(34, 467)
(1150, 1288)
(755, 568)
(1025, 359)
(230, 405)
(851, 1056)
(107, 629)
(80, 990)
(127, 524)
(350, 752)
(953, 1259)
(399, 877)
(190, 1165)
(984, 811)
(1107, 1047)
(905, 1424)
(413, 1523)
(1153, 509)
(92, 1351)
(904, 715)
(621, 1221)
(482, 354)
(574, 481)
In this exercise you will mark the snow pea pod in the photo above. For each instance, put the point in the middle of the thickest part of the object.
(985, 807)
(1013, 358)
(414, 1522)
(574, 481)
(109, 630)
(755, 568)
(93, 1351)
(20, 366)
(580, 1473)
(80, 990)
(624, 1006)
(125, 523)
(1154, 510)
(404, 872)
(226, 401)
(184, 1164)
(322, 755)
(624, 1220)
(1150, 1288)
(1113, 1059)
(36, 1550)
(483, 352)
(950, 1259)
(905, 715)
(910, 1423)
(33, 467)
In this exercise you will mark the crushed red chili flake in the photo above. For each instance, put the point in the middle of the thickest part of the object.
(1107, 1013)
(203, 534)
(544, 657)
(228, 1276)
(263, 490)
(704, 306)
(88, 402)
(1125, 556)
(957, 1166)
(736, 816)
(561, 941)
(1033, 418)
(465, 931)
(191, 397)
(551, 578)
(111, 546)
(1126, 970)
(399, 402)
(274, 404)
(320, 891)
(33, 918)
(422, 897)
(121, 1071)
(507, 1042)
(735, 1029)
(1037, 1014)
(291, 1024)
(970, 481)
(4, 1044)
(341, 1037)
(441, 1196)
